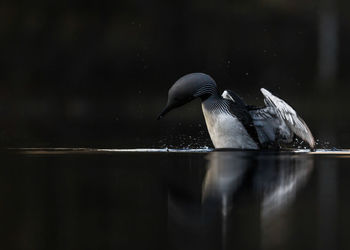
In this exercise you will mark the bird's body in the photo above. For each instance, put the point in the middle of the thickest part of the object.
(225, 129)
(233, 124)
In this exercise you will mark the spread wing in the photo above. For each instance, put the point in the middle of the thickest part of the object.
(289, 116)
(269, 126)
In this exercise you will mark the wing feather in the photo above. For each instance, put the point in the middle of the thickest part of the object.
(289, 116)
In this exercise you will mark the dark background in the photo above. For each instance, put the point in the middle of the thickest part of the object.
(96, 73)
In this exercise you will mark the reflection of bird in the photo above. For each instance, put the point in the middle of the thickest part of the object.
(275, 179)
(233, 124)
(279, 186)
(223, 177)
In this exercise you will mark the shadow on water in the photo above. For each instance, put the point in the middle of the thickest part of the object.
(159, 200)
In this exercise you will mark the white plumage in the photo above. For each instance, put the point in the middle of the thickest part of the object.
(226, 131)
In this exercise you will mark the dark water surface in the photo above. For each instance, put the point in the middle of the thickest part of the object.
(172, 200)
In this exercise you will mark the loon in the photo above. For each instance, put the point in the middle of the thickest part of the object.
(232, 123)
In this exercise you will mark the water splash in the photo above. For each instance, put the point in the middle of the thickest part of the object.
(41, 151)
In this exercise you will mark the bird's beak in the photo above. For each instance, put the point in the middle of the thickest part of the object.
(165, 111)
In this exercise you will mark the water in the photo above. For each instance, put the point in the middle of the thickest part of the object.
(200, 199)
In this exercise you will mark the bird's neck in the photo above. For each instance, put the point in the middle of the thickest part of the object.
(215, 103)
(207, 92)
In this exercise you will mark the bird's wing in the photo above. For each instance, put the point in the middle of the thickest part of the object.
(289, 116)
(267, 124)
(265, 121)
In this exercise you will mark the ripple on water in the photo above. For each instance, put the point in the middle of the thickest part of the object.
(164, 150)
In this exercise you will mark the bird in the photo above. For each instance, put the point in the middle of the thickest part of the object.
(232, 123)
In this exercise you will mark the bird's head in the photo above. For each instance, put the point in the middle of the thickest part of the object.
(188, 88)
